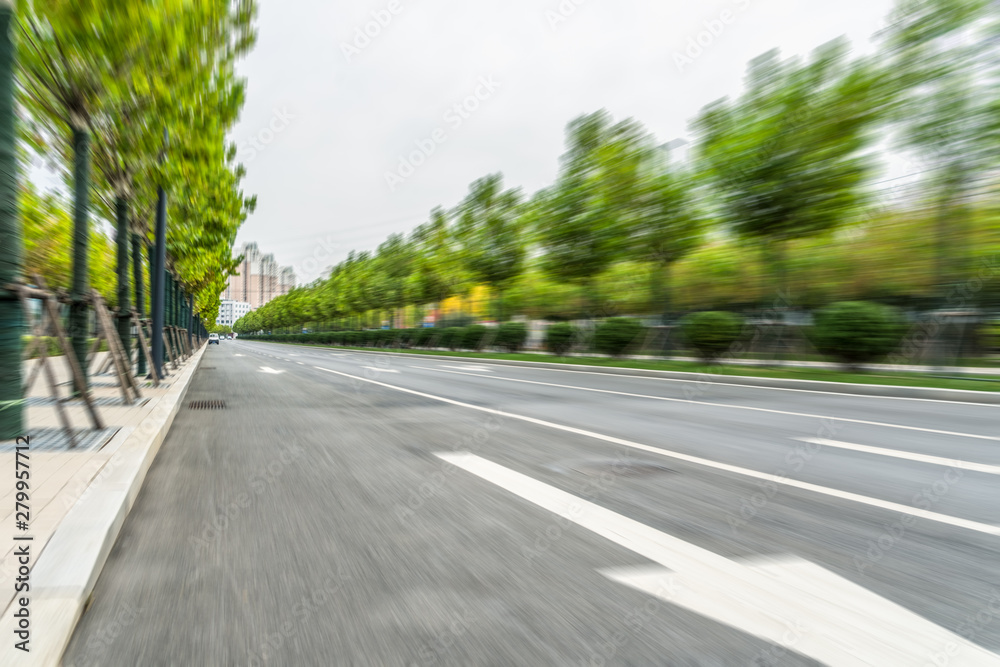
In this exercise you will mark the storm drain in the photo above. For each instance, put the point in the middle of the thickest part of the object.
(207, 405)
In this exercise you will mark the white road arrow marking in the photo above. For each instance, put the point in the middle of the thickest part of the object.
(794, 605)
(265, 369)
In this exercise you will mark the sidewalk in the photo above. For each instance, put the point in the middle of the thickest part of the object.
(74, 520)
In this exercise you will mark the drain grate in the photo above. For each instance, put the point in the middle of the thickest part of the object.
(207, 405)
(55, 440)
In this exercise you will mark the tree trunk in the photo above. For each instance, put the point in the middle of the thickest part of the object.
(124, 307)
(140, 305)
(663, 296)
(12, 241)
(79, 310)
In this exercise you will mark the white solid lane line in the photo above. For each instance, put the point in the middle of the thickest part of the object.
(696, 380)
(835, 622)
(478, 369)
(727, 405)
(777, 479)
(381, 370)
(911, 456)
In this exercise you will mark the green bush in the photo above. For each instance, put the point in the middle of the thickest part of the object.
(559, 337)
(404, 337)
(473, 336)
(424, 336)
(990, 336)
(615, 335)
(857, 332)
(511, 336)
(711, 333)
(451, 337)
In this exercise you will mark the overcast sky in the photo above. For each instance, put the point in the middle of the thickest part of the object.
(331, 111)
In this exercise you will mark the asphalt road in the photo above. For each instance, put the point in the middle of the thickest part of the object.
(369, 509)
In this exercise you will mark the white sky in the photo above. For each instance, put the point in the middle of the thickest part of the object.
(320, 178)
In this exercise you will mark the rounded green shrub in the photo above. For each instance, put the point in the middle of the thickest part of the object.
(559, 337)
(473, 336)
(450, 337)
(511, 336)
(857, 332)
(711, 333)
(617, 334)
(422, 337)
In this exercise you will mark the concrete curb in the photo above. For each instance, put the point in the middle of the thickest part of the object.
(851, 388)
(65, 573)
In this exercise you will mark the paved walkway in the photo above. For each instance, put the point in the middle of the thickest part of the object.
(60, 476)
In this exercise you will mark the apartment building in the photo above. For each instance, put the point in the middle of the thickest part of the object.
(260, 279)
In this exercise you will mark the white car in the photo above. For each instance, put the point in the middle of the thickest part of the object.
(213, 338)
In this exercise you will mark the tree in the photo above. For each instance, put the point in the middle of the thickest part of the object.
(787, 157)
(666, 226)
(488, 234)
(943, 57)
(583, 219)
(437, 271)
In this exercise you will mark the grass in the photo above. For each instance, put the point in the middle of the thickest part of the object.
(972, 383)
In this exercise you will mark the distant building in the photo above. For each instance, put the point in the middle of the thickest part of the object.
(230, 311)
(259, 280)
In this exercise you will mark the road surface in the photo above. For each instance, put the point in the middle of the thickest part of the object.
(349, 508)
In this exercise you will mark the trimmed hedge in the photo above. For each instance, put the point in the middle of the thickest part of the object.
(511, 336)
(616, 335)
(473, 337)
(857, 332)
(711, 333)
(559, 337)
(450, 337)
